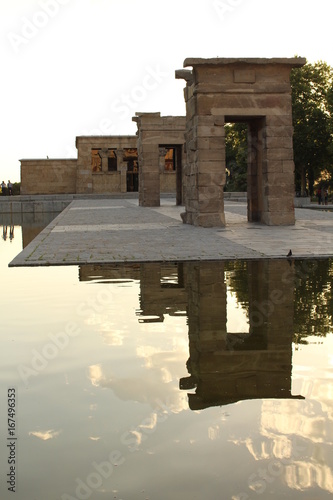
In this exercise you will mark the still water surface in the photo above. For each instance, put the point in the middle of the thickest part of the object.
(167, 381)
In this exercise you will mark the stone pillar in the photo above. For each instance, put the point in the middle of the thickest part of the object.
(209, 167)
(204, 172)
(162, 152)
(278, 168)
(148, 157)
(204, 176)
(122, 168)
(84, 184)
(255, 179)
(104, 154)
(149, 176)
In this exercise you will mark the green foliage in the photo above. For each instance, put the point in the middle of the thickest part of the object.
(16, 188)
(312, 285)
(313, 304)
(312, 103)
(236, 156)
(237, 280)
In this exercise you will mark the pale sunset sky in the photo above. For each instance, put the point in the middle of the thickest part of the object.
(84, 67)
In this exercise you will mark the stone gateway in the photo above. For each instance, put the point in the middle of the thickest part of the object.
(254, 91)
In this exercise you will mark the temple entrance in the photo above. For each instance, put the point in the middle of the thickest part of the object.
(255, 158)
(132, 177)
(171, 163)
(130, 158)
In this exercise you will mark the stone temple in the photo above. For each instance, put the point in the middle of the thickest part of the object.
(185, 155)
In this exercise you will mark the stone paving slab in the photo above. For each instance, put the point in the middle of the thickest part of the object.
(118, 230)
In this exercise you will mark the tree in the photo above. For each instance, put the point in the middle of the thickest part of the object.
(236, 156)
(313, 298)
(312, 105)
(312, 108)
(313, 303)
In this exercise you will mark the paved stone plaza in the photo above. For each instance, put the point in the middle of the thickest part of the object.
(118, 230)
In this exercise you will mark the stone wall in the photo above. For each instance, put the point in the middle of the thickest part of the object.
(77, 176)
(104, 181)
(109, 182)
(168, 182)
(48, 176)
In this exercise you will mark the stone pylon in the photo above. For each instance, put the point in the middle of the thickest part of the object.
(254, 91)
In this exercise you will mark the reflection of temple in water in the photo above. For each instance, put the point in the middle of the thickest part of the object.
(224, 367)
(162, 291)
(109, 273)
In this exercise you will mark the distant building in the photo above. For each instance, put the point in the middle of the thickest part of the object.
(112, 164)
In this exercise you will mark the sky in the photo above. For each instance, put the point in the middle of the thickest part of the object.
(84, 67)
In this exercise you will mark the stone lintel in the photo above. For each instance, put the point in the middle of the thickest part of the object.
(47, 160)
(157, 123)
(241, 88)
(294, 62)
(104, 138)
(140, 114)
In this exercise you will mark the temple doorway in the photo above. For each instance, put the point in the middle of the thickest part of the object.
(255, 127)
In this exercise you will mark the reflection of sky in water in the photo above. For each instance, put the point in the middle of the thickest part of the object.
(97, 385)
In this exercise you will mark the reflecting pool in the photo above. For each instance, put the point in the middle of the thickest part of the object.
(166, 381)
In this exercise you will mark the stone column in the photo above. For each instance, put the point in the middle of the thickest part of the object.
(255, 175)
(122, 168)
(104, 154)
(84, 182)
(204, 172)
(279, 168)
(149, 175)
(162, 152)
(148, 157)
